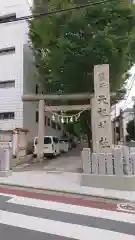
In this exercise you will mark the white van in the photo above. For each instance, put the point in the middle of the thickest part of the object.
(64, 145)
(51, 146)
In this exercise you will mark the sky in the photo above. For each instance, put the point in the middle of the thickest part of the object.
(30, 1)
(131, 89)
(132, 92)
(127, 103)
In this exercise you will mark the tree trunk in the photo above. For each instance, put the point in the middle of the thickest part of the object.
(89, 140)
(89, 135)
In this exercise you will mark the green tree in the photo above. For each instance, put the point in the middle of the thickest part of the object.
(131, 129)
(73, 128)
(66, 46)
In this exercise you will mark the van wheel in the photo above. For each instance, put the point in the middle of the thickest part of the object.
(54, 155)
(49, 157)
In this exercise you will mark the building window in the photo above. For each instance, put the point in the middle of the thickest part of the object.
(8, 50)
(8, 18)
(7, 84)
(37, 117)
(59, 126)
(45, 121)
(7, 115)
(53, 125)
(36, 89)
(48, 122)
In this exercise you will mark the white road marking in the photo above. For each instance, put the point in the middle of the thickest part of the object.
(68, 208)
(127, 207)
(7, 195)
(59, 228)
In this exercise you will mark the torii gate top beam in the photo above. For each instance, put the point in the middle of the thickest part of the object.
(66, 108)
(78, 96)
(34, 98)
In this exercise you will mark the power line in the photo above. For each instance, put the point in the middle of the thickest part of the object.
(131, 85)
(130, 89)
(128, 103)
(44, 14)
(28, 3)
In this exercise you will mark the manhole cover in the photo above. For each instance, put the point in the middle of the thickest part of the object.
(128, 207)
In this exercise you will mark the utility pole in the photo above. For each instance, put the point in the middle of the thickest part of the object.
(115, 126)
(134, 115)
(121, 126)
(40, 145)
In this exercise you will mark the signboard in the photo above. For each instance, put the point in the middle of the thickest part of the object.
(102, 135)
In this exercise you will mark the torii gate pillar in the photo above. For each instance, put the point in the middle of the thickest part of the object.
(40, 146)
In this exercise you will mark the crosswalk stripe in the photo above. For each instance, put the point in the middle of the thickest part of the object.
(59, 228)
(7, 195)
(67, 208)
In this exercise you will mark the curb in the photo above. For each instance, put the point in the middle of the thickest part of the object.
(67, 192)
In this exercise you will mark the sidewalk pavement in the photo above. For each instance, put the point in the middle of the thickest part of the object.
(62, 182)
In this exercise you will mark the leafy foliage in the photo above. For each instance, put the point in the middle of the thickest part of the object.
(131, 129)
(66, 46)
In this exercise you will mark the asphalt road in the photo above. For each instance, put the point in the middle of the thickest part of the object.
(31, 219)
(68, 162)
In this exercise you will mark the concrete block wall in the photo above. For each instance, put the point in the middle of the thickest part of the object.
(29, 85)
(30, 108)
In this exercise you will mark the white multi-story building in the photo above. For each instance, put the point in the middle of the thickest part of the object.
(17, 72)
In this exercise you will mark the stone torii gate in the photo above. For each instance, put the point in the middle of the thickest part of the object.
(42, 108)
(100, 104)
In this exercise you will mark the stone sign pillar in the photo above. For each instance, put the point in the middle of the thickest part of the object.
(101, 111)
(93, 125)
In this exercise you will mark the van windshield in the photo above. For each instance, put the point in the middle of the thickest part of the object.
(47, 140)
